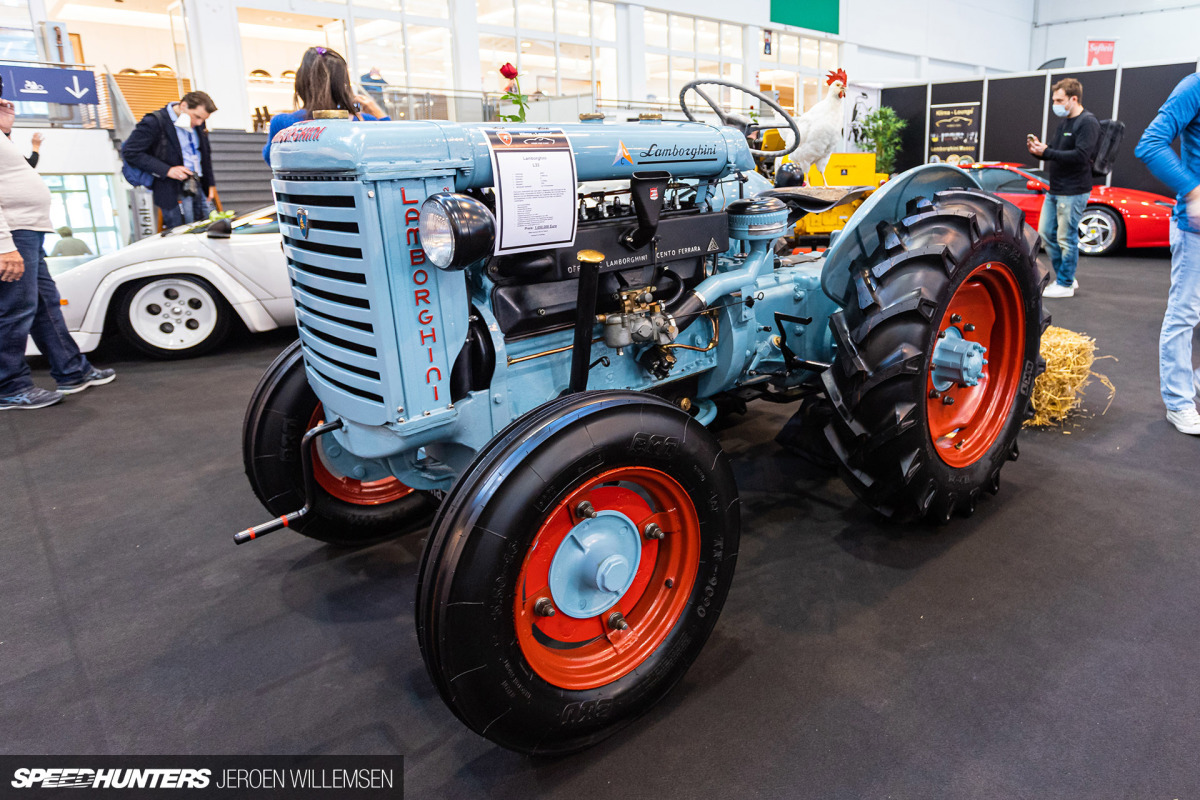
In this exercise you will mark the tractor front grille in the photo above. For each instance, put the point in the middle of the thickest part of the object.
(334, 291)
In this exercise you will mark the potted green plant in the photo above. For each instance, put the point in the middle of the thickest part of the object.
(881, 131)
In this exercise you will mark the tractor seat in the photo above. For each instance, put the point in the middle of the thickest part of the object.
(803, 200)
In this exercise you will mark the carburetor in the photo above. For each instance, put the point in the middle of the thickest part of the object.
(640, 321)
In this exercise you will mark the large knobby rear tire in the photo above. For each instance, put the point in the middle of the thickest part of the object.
(966, 261)
(553, 683)
(346, 512)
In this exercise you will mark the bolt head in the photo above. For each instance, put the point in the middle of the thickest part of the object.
(585, 509)
(947, 400)
(544, 607)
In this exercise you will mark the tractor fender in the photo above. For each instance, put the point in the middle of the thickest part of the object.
(889, 204)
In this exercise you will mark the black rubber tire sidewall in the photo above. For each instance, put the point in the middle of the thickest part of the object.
(876, 460)
(213, 340)
(276, 420)
(466, 594)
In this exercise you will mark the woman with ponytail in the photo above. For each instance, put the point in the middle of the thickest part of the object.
(323, 84)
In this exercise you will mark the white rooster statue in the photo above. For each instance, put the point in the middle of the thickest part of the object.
(821, 127)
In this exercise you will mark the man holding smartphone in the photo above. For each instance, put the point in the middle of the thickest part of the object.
(1068, 160)
(172, 145)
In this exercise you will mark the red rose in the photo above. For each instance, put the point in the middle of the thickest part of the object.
(508, 71)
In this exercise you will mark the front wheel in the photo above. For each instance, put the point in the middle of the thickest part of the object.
(1100, 231)
(346, 512)
(576, 570)
(173, 317)
(936, 361)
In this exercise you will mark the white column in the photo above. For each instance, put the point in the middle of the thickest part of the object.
(215, 48)
(631, 52)
(752, 43)
(464, 45)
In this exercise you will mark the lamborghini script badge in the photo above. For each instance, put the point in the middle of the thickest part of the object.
(302, 221)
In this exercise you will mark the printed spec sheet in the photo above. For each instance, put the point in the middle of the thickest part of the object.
(534, 174)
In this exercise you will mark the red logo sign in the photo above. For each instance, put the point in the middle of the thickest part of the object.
(653, 192)
(505, 137)
(1100, 52)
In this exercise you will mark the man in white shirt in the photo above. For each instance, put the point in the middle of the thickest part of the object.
(29, 301)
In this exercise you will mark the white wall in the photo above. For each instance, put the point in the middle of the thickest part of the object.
(1148, 30)
(936, 39)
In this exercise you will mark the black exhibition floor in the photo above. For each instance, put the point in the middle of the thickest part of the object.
(1047, 647)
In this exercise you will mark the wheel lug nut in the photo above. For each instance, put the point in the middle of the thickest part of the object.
(670, 583)
(941, 334)
(585, 509)
(653, 531)
(956, 318)
(616, 621)
(948, 400)
(968, 327)
(544, 607)
(934, 394)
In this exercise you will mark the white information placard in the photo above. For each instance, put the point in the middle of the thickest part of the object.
(534, 174)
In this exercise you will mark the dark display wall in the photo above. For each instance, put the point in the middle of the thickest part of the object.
(1014, 107)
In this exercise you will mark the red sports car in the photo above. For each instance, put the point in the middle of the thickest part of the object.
(1113, 217)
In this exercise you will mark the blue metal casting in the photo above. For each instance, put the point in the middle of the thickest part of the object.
(957, 361)
(595, 564)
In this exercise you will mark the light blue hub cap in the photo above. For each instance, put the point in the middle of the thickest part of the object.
(957, 361)
(595, 564)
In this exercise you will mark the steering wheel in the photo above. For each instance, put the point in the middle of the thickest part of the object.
(744, 124)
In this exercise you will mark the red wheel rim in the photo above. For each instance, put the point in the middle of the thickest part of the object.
(990, 300)
(352, 490)
(586, 653)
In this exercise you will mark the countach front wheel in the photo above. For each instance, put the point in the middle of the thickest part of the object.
(177, 316)
(936, 362)
(576, 570)
(347, 511)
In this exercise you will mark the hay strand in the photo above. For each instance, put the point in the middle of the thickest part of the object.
(1059, 390)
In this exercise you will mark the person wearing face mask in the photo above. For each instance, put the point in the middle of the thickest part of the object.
(1068, 160)
(172, 145)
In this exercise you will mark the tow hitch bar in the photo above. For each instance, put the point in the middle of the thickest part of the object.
(306, 446)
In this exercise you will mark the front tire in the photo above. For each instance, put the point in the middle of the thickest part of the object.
(173, 317)
(346, 512)
(519, 638)
(911, 440)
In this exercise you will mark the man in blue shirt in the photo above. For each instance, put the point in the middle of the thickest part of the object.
(1179, 117)
(172, 145)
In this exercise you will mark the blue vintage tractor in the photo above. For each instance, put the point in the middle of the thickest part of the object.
(550, 407)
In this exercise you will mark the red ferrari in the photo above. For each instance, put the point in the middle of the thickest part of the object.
(1113, 217)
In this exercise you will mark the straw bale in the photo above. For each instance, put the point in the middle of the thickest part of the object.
(1059, 390)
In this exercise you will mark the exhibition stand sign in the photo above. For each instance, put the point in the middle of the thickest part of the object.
(954, 132)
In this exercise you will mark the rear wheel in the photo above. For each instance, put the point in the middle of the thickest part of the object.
(1100, 231)
(576, 570)
(935, 363)
(347, 511)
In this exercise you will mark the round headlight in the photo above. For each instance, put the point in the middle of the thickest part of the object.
(456, 230)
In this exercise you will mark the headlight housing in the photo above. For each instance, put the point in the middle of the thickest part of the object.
(456, 230)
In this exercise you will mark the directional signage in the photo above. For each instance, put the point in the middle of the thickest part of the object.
(41, 85)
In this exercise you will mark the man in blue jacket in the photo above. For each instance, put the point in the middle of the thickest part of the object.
(172, 145)
(1179, 117)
